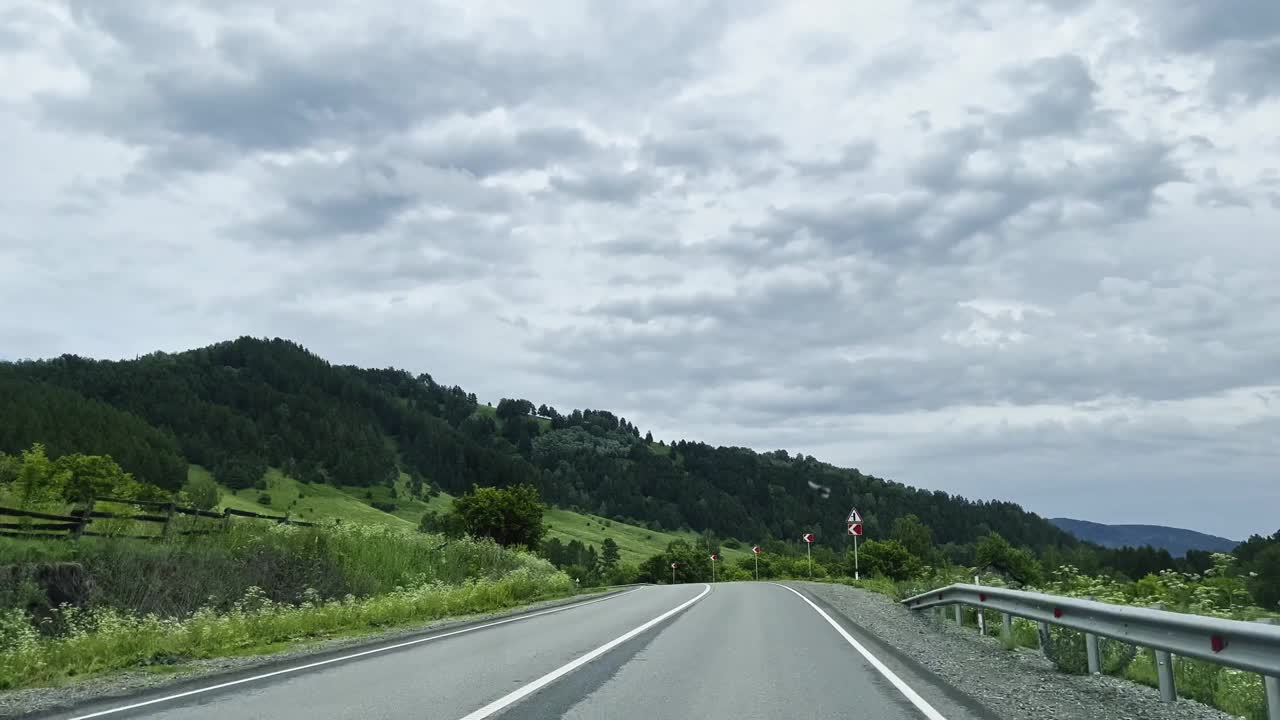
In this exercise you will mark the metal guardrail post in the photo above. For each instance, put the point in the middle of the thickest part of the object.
(1164, 672)
(1091, 648)
(959, 614)
(1272, 686)
(1091, 651)
(1046, 640)
(1007, 620)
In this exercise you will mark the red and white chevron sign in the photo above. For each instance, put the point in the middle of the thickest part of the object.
(807, 537)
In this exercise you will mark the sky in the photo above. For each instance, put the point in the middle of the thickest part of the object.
(1007, 249)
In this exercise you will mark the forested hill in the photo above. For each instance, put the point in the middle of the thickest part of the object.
(241, 406)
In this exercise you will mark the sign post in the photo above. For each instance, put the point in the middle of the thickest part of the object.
(713, 567)
(808, 549)
(855, 529)
(755, 553)
(673, 572)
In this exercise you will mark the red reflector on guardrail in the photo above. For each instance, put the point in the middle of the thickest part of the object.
(1057, 612)
(1218, 643)
(982, 597)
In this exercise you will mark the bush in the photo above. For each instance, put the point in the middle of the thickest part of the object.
(202, 492)
(888, 558)
(386, 507)
(264, 499)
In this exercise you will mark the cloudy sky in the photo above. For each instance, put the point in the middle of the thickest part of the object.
(1021, 250)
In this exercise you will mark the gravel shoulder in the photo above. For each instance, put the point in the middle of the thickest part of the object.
(33, 701)
(1015, 685)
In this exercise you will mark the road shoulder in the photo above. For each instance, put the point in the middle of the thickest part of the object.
(1014, 685)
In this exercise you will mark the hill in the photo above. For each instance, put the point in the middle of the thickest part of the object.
(243, 406)
(303, 501)
(1176, 540)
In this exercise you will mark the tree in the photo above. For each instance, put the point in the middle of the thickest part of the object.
(511, 515)
(203, 492)
(648, 437)
(447, 524)
(509, 409)
(85, 477)
(244, 471)
(914, 535)
(691, 564)
(609, 554)
(1264, 582)
(888, 558)
(996, 553)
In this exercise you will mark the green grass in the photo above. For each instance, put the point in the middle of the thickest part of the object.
(109, 640)
(635, 544)
(352, 504)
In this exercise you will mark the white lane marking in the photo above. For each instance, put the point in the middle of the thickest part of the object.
(921, 704)
(330, 661)
(516, 695)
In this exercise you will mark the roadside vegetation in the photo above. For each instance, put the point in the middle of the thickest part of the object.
(75, 607)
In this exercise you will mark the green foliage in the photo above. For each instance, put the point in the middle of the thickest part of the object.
(201, 491)
(447, 524)
(283, 560)
(609, 554)
(886, 558)
(1264, 576)
(511, 516)
(914, 535)
(240, 471)
(692, 564)
(994, 552)
(32, 480)
(107, 639)
(66, 422)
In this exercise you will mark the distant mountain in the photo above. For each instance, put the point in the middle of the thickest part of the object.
(1176, 540)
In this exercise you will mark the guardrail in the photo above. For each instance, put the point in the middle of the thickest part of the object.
(77, 523)
(1249, 646)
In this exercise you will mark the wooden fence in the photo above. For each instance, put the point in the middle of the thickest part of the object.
(79, 522)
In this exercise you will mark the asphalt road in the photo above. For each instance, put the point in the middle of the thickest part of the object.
(736, 650)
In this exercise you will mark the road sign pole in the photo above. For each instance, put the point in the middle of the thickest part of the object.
(757, 557)
(809, 551)
(713, 569)
(856, 574)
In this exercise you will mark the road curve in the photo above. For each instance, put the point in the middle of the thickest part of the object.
(735, 650)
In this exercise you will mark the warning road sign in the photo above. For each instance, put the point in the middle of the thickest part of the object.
(855, 528)
(807, 537)
(854, 517)
(755, 549)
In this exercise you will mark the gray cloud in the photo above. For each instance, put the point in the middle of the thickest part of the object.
(704, 150)
(606, 185)
(488, 153)
(364, 193)
(890, 247)
(855, 157)
(1241, 37)
(1057, 97)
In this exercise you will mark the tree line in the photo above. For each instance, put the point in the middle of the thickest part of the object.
(241, 406)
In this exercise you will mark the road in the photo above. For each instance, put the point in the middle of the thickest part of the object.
(734, 650)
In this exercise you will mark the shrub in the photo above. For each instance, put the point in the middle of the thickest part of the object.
(264, 499)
